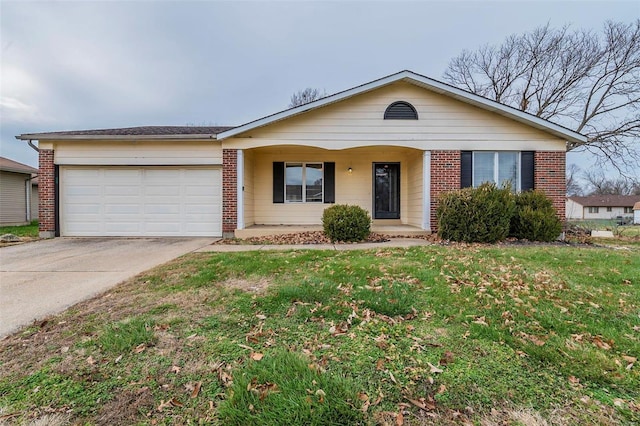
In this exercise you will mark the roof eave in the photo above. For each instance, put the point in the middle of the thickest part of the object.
(62, 136)
(428, 83)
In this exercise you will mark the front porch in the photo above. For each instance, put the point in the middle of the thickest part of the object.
(384, 229)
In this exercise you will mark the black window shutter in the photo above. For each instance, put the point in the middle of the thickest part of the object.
(466, 169)
(527, 167)
(278, 182)
(329, 183)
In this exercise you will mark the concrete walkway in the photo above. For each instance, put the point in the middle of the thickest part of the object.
(45, 277)
(395, 242)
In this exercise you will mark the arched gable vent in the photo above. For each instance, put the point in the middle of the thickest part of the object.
(400, 110)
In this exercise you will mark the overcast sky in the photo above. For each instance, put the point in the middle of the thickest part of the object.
(86, 65)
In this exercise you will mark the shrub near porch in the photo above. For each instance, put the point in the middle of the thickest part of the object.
(433, 335)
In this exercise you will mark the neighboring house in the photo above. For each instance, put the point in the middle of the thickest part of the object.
(18, 193)
(391, 146)
(601, 206)
(636, 213)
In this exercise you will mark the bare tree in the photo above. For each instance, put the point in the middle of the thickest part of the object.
(305, 96)
(573, 184)
(586, 81)
(599, 184)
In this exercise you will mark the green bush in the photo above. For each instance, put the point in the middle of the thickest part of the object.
(346, 223)
(476, 215)
(535, 218)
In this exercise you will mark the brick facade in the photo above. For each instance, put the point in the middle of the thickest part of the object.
(445, 176)
(550, 177)
(229, 192)
(46, 191)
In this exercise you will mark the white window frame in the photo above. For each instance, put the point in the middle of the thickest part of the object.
(496, 172)
(304, 181)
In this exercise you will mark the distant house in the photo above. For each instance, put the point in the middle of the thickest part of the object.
(601, 206)
(18, 193)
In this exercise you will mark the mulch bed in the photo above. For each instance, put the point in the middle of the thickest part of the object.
(315, 237)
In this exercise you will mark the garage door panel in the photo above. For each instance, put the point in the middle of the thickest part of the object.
(146, 201)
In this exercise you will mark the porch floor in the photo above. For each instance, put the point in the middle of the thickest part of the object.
(264, 230)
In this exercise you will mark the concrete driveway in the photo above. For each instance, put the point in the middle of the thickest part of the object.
(45, 277)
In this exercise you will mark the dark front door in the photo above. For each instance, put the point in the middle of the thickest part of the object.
(386, 190)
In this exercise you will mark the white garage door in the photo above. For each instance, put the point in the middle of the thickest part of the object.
(140, 201)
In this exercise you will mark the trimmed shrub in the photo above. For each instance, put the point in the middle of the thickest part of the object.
(476, 215)
(346, 223)
(535, 218)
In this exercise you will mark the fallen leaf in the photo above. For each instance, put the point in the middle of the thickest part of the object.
(261, 317)
(256, 356)
(422, 404)
(434, 369)
(447, 358)
(574, 380)
(629, 358)
(399, 418)
(91, 361)
(140, 348)
(118, 359)
(380, 364)
(175, 369)
(196, 390)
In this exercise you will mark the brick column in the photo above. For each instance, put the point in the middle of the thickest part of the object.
(550, 177)
(46, 191)
(445, 176)
(229, 192)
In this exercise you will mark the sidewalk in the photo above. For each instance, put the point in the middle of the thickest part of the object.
(394, 242)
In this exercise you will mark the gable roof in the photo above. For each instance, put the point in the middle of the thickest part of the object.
(426, 83)
(146, 132)
(607, 200)
(636, 206)
(13, 166)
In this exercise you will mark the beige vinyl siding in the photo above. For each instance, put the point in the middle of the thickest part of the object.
(444, 123)
(249, 193)
(35, 202)
(13, 198)
(415, 190)
(141, 153)
(355, 188)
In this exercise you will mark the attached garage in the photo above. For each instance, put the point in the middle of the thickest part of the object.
(140, 201)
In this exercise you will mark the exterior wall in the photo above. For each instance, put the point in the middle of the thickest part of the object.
(573, 210)
(358, 121)
(636, 217)
(35, 201)
(139, 153)
(229, 192)
(604, 214)
(249, 193)
(355, 188)
(13, 198)
(46, 189)
(550, 178)
(414, 189)
(445, 176)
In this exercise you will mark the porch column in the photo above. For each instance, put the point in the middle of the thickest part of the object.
(229, 192)
(426, 190)
(240, 189)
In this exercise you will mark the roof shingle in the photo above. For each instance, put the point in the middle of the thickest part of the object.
(607, 200)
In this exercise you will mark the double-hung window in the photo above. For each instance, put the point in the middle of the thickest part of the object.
(499, 167)
(304, 182)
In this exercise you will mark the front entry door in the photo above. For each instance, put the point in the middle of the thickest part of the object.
(386, 190)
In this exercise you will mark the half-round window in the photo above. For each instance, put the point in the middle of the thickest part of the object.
(400, 110)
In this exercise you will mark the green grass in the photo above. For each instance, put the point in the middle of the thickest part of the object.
(30, 230)
(325, 337)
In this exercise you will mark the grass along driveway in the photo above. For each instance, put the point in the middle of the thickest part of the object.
(431, 335)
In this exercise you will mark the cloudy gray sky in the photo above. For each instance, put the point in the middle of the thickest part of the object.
(88, 64)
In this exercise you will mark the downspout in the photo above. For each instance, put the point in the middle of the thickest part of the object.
(30, 142)
(28, 183)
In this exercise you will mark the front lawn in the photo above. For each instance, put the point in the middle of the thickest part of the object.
(432, 335)
(30, 230)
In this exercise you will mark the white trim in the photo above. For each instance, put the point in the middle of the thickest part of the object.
(426, 190)
(424, 82)
(240, 189)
